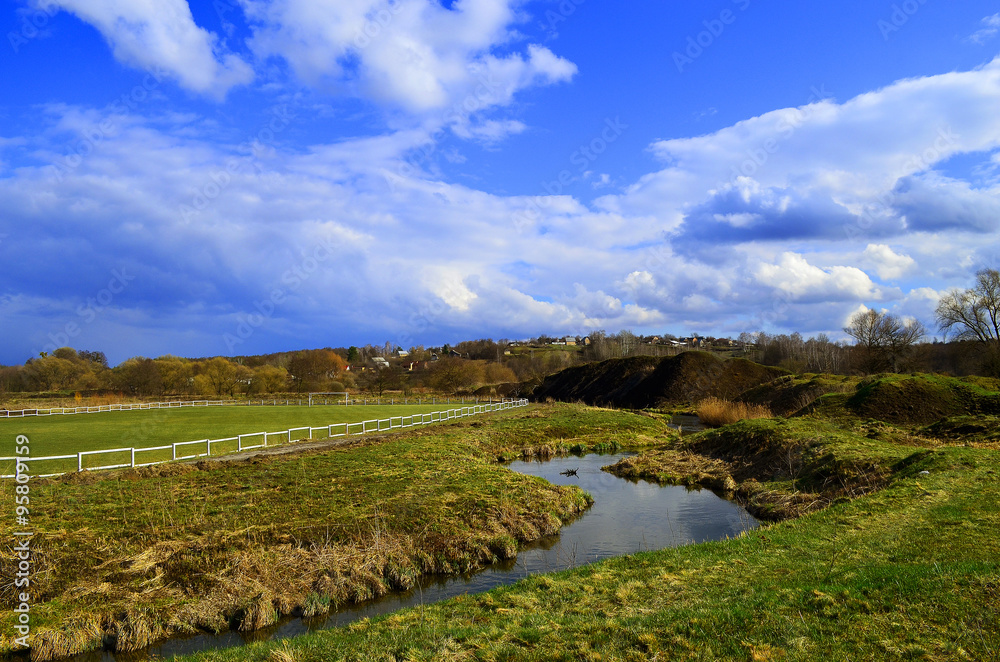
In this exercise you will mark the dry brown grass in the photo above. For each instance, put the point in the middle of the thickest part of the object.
(77, 636)
(715, 412)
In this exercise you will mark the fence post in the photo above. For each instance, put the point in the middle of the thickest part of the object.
(239, 442)
(79, 461)
(173, 448)
(133, 459)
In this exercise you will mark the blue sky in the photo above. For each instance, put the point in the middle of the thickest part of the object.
(248, 176)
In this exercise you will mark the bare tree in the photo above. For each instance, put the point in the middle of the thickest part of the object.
(883, 339)
(974, 314)
(904, 336)
(627, 343)
(379, 378)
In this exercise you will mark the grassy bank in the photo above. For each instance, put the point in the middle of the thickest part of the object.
(893, 553)
(778, 468)
(131, 556)
(909, 573)
(847, 438)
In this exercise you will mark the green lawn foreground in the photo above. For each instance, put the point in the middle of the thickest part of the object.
(66, 435)
(131, 556)
(911, 572)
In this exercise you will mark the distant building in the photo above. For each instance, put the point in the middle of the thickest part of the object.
(380, 362)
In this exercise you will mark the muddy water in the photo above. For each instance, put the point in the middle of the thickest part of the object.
(626, 517)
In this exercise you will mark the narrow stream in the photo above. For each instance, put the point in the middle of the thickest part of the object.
(686, 423)
(626, 517)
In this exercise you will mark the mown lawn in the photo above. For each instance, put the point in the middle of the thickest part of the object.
(62, 435)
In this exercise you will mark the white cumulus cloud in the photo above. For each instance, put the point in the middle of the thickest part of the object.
(888, 264)
(415, 54)
(162, 34)
(803, 281)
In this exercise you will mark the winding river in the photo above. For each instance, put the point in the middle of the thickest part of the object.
(626, 517)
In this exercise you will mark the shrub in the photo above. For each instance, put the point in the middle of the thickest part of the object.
(715, 412)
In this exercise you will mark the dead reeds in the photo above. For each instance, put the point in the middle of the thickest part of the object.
(716, 412)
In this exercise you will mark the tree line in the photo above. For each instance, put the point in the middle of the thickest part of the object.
(881, 342)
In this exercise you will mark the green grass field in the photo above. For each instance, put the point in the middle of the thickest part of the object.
(64, 435)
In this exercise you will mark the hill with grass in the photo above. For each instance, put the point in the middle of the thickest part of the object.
(642, 382)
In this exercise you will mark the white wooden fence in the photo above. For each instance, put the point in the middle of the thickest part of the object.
(250, 441)
(273, 402)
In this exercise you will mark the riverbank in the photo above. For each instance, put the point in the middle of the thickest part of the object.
(892, 554)
(908, 572)
(125, 558)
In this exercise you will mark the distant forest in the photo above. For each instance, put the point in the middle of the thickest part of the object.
(475, 366)
(883, 342)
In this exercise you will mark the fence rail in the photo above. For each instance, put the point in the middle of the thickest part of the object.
(272, 402)
(253, 440)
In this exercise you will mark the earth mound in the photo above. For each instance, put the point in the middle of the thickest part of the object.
(641, 382)
(790, 395)
(920, 399)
